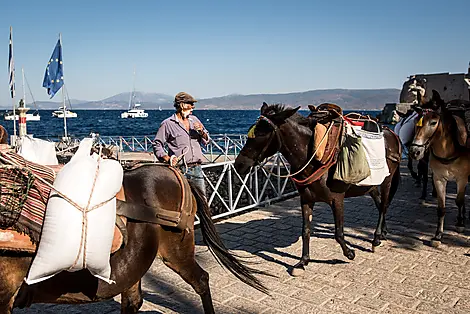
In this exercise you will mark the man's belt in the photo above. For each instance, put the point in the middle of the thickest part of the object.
(193, 164)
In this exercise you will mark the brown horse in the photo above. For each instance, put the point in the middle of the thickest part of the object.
(3, 135)
(284, 130)
(146, 187)
(444, 135)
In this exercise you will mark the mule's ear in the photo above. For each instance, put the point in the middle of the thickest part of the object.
(312, 108)
(436, 97)
(461, 130)
(264, 107)
(284, 115)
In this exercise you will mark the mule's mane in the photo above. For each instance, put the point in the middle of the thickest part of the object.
(297, 117)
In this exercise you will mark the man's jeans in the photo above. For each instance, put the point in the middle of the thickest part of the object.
(195, 176)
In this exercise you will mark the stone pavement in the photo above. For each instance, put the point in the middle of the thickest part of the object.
(405, 275)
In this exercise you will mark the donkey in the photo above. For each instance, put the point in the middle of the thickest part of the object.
(284, 130)
(444, 134)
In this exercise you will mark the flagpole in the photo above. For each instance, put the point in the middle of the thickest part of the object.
(63, 95)
(13, 95)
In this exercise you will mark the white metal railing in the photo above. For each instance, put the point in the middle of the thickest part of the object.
(227, 191)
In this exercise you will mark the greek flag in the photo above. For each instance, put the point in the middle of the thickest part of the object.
(54, 76)
(11, 67)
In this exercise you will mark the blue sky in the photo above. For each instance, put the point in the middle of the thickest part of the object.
(215, 48)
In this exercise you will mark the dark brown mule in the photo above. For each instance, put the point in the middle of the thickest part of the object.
(282, 129)
(3, 135)
(151, 186)
(444, 135)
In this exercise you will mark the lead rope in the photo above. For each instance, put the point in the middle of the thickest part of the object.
(308, 162)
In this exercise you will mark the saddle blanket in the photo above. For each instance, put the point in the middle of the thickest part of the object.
(374, 146)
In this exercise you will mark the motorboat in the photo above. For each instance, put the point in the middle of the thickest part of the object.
(59, 113)
(134, 112)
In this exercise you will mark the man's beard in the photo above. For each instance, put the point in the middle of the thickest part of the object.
(185, 113)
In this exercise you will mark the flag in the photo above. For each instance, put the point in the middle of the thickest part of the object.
(54, 76)
(11, 68)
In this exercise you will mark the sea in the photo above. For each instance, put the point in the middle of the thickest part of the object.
(108, 123)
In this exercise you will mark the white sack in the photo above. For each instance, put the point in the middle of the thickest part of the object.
(374, 145)
(38, 151)
(62, 230)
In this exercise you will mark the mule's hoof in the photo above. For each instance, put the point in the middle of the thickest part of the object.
(435, 243)
(375, 246)
(297, 271)
(460, 229)
(350, 255)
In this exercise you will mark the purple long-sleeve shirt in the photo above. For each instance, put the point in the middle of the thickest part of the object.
(178, 140)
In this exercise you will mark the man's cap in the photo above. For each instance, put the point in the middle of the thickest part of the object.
(183, 97)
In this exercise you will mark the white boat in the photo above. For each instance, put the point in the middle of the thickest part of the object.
(59, 113)
(134, 112)
(29, 116)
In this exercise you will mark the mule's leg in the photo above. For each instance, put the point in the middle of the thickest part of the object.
(178, 254)
(12, 272)
(337, 207)
(441, 185)
(306, 224)
(381, 229)
(423, 170)
(131, 299)
(460, 202)
(414, 175)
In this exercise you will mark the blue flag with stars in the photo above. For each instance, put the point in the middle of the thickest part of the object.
(54, 76)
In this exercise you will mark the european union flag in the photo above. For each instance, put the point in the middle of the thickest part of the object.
(54, 76)
(11, 68)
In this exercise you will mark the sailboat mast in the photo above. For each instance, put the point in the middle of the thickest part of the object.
(12, 65)
(63, 94)
(24, 89)
(133, 89)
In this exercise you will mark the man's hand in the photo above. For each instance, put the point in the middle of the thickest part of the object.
(173, 160)
(198, 127)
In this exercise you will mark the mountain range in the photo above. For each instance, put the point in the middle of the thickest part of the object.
(367, 99)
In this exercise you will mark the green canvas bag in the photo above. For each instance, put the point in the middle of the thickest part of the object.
(352, 166)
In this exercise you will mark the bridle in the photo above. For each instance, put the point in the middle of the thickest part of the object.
(271, 137)
(276, 132)
(428, 141)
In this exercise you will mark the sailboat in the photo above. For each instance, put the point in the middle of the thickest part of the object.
(134, 110)
(35, 116)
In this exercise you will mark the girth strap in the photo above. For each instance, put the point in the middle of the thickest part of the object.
(145, 213)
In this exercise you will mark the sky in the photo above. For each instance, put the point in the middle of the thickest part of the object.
(217, 48)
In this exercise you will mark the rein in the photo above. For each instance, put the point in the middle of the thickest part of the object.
(276, 129)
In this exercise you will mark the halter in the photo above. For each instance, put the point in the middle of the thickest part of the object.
(426, 144)
(276, 129)
(276, 133)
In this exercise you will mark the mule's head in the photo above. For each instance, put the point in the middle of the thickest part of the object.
(426, 126)
(264, 137)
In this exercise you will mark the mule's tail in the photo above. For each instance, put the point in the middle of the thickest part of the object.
(395, 183)
(218, 249)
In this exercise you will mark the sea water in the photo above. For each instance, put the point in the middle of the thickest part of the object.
(110, 123)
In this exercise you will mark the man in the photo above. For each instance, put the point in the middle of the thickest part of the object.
(183, 133)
